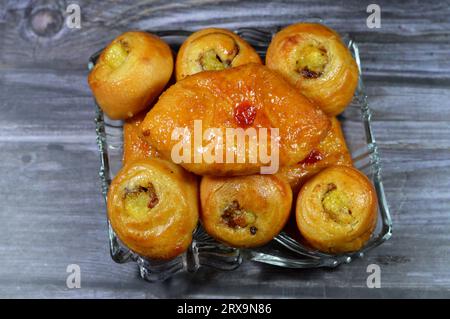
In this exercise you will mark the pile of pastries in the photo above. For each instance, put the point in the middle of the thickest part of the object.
(155, 202)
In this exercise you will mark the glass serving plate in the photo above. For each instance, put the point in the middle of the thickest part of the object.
(284, 250)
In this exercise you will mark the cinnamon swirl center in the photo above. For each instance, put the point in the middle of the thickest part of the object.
(140, 200)
(116, 54)
(312, 60)
(336, 205)
(234, 216)
(219, 51)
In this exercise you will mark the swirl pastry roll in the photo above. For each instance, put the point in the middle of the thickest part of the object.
(313, 58)
(135, 147)
(225, 122)
(130, 73)
(244, 211)
(332, 150)
(211, 50)
(336, 210)
(153, 208)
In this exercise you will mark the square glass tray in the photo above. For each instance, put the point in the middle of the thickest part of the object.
(284, 250)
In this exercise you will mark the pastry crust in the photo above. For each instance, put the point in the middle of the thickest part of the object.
(130, 73)
(153, 208)
(313, 58)
(244, 211)
(135, 147)
(213, 49)
(337, 210)
(224, 99)
(332, 150)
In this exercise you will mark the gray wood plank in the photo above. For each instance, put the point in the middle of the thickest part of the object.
(421, 31)
(67, 225)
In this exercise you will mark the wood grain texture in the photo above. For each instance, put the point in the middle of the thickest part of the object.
(52, 210)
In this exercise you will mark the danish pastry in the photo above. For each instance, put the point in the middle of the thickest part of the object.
(313, 58)
(135, 147)
(332, 150)
(244, 211)
(337, 210)
(213, 49)
(153, 208)
(130, 73)
(249, 99)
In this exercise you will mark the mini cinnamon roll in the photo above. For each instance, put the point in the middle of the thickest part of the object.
(213, 49)
(135, 147)
(245, 211)
(332, 150)
(153, 208)
(313, 58)
(337, 210)
(130, 73)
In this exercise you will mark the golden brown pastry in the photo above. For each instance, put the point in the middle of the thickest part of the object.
(245, 97)
(213, 49)
(337, 210)
(313, 58)
(135, 147)
(244, 211)
(332, 150)
(130, 73)
(153, 208)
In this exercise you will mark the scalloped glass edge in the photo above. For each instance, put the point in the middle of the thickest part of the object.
(204, 250)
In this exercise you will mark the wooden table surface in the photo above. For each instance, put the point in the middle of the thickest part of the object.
(52, 212)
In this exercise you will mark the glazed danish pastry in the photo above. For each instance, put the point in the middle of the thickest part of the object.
(135, 147)
(130, 73)
(337, 210)
(244, 211)
(153, 208)
(250, 99)
(213, 49)
(313, 58)
(332, 150)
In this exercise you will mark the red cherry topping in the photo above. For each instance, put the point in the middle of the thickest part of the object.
(245, 113)
(312, 158)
